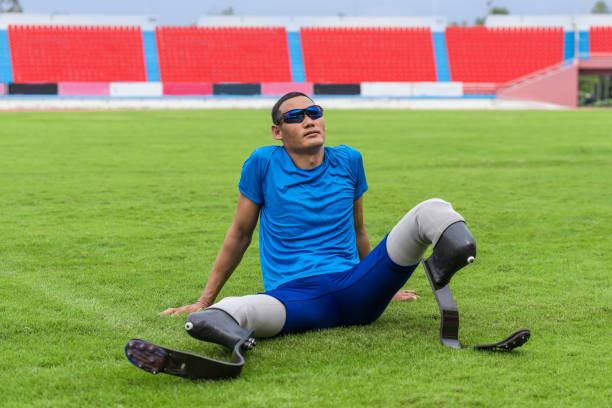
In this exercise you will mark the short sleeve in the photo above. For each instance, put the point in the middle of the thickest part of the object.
(251, 178)
(361, 185)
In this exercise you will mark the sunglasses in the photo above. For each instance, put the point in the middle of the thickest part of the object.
(297, 115)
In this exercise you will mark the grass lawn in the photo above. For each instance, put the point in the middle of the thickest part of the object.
(107, 218)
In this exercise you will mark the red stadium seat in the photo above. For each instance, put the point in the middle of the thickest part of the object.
(76, 54)
(601, 39)
(243, 54)
(497, 55)
(223, 54)
(350, 55)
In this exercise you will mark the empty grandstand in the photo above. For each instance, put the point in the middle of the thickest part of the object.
(600, 39)
(76, 53)
(368, 54)
(498, 55)
(511, 57)
(223, 54)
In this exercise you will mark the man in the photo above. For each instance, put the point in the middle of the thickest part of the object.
(317, 266)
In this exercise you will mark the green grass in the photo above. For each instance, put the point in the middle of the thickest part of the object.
(107, 218)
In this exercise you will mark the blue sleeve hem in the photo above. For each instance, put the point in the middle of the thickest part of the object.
(249, 195)
(360, 193)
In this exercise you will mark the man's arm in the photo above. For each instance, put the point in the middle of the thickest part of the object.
(236, 242)
(363, 241)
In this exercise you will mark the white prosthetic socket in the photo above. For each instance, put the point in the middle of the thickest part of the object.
(263, 313)
(421, 226)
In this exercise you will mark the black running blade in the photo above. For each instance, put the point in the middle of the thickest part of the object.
(157, 359)
(449, 315)
(515, 340)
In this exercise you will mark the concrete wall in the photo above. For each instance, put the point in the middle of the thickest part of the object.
(386, 88)
(558, 87)
(84, 88)
(584, 21)
(437, 89)
(596, 65)
(515, 20)
(136, 89)
(281, 88)
(412, 89)
(187, 88)
(580, 22)
(145, 22)
(294, 23)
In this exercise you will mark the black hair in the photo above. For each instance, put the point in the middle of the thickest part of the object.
(275, 109)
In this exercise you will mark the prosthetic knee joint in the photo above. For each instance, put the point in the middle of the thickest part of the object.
(216, 326)
(455, 249)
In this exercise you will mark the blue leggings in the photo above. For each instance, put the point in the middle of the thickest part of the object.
(355, 297)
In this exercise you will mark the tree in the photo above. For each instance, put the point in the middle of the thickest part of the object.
(499, 10)
(492, 10)
(600, 8)
(10, 6)
(228, 11)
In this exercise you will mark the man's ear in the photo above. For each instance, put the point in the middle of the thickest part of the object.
(276, 132)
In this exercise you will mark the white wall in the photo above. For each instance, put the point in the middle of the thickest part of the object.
(294, 23)
(452, 89)
(136, 89)
(149, 22)
(145, 22)
(580, 22)
(583, 22)
(412, 89)
(386, 89)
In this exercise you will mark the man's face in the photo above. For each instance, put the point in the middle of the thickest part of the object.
(304, 137)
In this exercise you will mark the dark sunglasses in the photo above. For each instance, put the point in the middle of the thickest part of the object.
(297, 115)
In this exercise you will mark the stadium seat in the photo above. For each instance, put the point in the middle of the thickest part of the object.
(352, 55)
(76, 53)
(497, 55)
(601, 39)
(206, 55)
(223, 54)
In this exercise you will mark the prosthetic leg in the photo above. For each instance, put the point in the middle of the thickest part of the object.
(213, 325)
(455, 249)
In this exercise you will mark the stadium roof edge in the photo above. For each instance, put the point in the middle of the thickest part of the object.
(580, 22)
(145, 22)
(292, 23)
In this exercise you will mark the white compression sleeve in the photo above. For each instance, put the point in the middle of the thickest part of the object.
(421, 226)
(263, 313)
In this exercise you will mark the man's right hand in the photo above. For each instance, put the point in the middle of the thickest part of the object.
(175, 311)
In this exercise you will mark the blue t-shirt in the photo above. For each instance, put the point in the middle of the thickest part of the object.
(306, 222)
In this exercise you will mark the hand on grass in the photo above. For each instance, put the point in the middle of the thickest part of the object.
(404, 295)
(175, 311)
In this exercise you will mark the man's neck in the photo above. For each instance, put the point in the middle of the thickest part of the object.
(307, 160)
